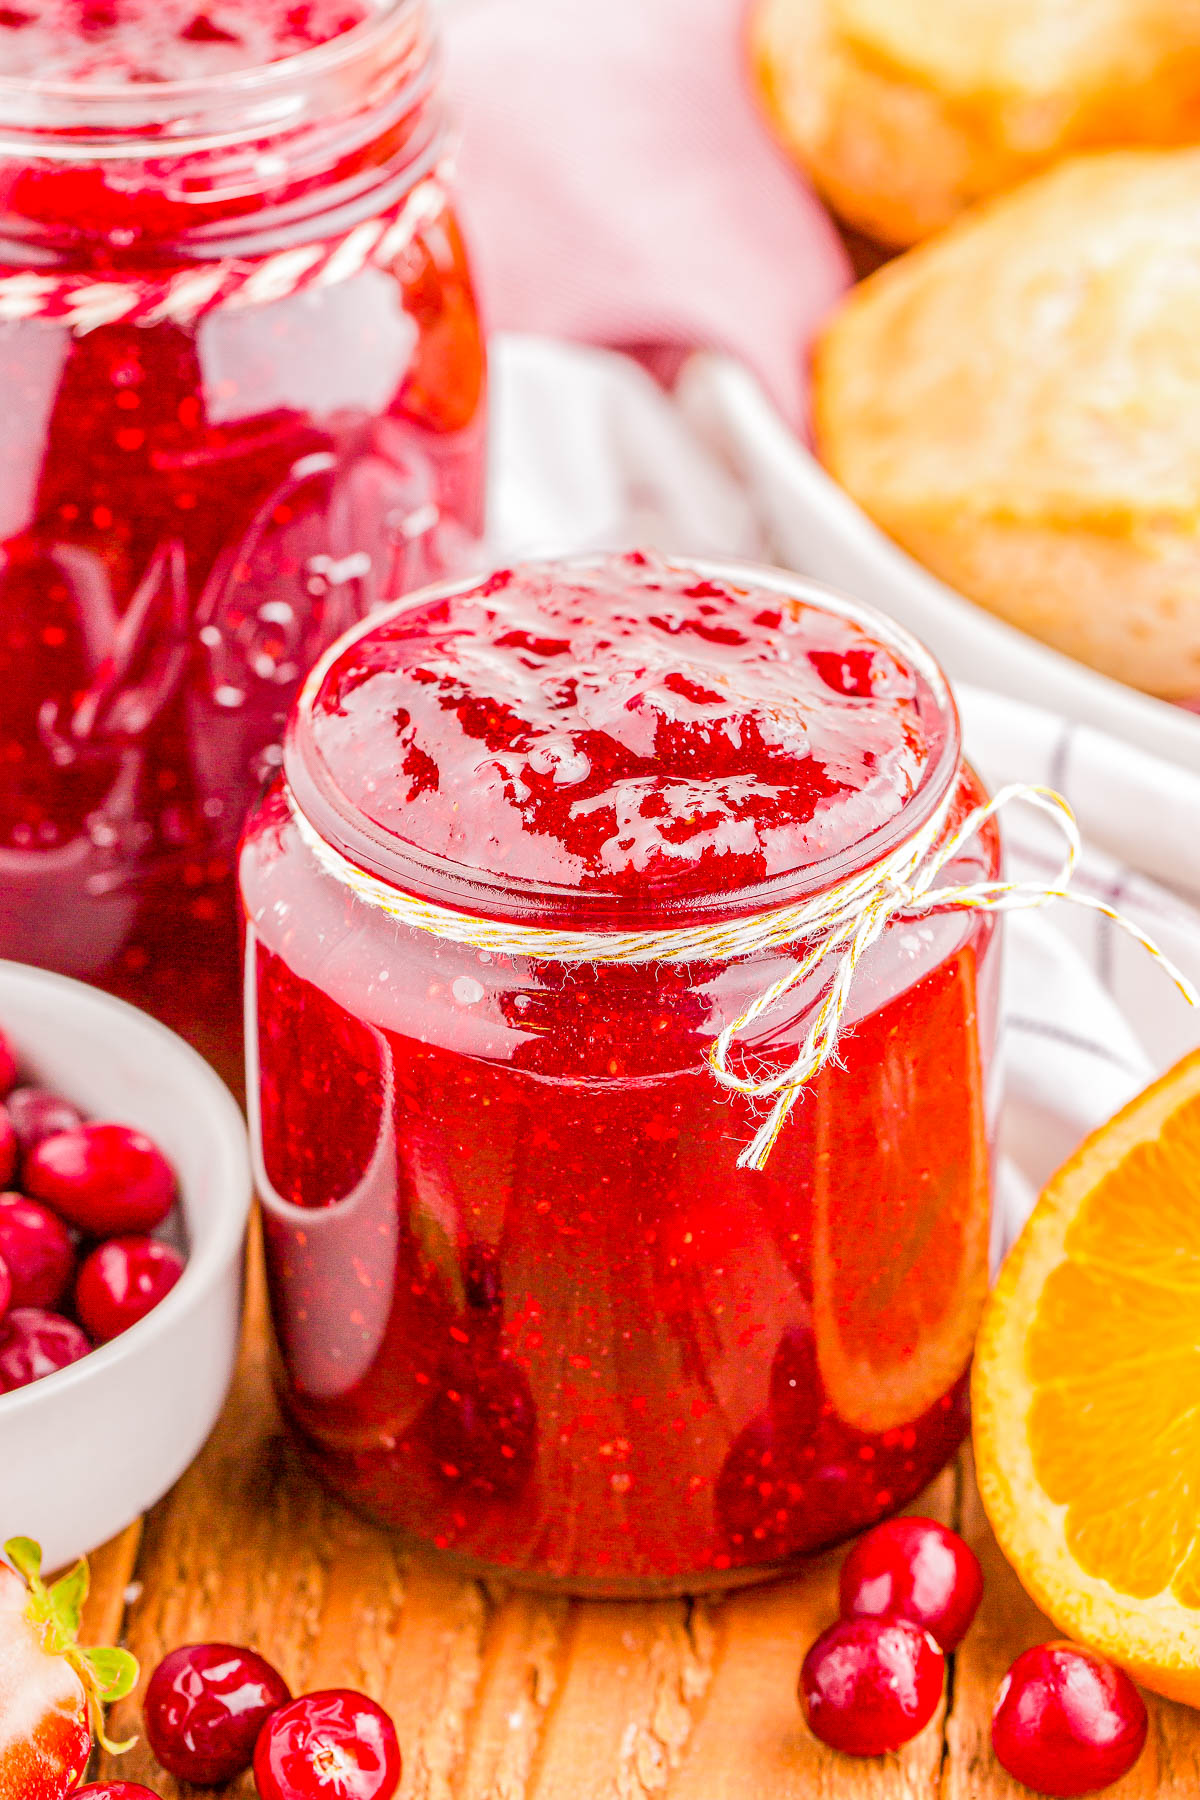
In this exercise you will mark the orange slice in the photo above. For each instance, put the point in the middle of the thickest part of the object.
(1086, 1392)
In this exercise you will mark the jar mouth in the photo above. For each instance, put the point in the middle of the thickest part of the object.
(205, 111)
(430, 876)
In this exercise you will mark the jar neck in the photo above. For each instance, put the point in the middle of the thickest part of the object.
(181, 171)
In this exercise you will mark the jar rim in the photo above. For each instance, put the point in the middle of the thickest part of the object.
(190, 114)
(430, 876)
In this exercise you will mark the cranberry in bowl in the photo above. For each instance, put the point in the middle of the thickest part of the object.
(90, 1446)
(530, 1308)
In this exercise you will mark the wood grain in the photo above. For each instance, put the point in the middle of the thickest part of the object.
(504, 1695)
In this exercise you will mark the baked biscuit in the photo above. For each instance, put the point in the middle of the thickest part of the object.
(1017, 403)
(905, 111)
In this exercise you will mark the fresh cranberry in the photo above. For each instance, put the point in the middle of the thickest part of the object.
(914, 1569)
(6, 1288)
(103, 1178)
(114, 1790)
(797, 1395)
(8, 1065)
(34, 1343)
(1067, 1722)
(480, 1427)
(205, 1706)
(37, 1113)
(334, 1745)
(121, 1281)
(10, 1148)
(869, 1685)
(37, 1248)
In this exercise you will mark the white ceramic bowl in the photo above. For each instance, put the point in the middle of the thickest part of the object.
(83, 1452)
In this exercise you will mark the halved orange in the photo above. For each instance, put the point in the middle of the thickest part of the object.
(1086, 1392)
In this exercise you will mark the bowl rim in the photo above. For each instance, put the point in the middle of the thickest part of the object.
(227, 1174)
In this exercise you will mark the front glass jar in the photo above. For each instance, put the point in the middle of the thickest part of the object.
(528, 1307)
(241, 375)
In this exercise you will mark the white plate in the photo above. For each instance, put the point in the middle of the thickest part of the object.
(83, 1452)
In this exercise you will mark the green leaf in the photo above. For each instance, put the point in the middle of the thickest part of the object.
(114, 1672)
(67, 1597)
(26, 1558)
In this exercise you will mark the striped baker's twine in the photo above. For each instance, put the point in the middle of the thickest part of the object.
(83, 303)
(835, 929)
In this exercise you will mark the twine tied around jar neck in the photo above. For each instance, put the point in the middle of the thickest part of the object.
(83, 303)
(834, 928)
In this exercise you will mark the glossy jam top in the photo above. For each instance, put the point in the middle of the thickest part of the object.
(111, 43)
(622, 728)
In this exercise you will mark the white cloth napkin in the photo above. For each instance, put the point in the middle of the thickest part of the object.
(590, 453)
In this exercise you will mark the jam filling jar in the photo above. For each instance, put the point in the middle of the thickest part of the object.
(528, 1307)
(243, 380)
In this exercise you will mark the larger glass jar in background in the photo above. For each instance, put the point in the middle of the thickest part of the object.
(241, 380)
(528, 1309)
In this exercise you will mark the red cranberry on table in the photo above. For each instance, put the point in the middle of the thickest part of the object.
(205, 1706)
(102, 1178)
(1066, 1721)
(869, 1685)
(36, 1113)
(114, 1790)
(6, 1289)
(333, 1745)
(912, 1568)
(38, 1250)
(35, 1343)
(8, 1065)
(121, 1281)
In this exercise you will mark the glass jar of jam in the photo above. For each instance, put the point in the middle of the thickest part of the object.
(242, 380)
(529, 1309)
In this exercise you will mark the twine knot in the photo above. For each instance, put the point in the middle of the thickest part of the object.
(830, 934)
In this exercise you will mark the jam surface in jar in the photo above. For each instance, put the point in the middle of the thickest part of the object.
(121, 41)
(528, 1309)
(229, 438)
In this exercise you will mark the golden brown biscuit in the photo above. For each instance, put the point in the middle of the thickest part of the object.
(1018, 404)
(905, 111)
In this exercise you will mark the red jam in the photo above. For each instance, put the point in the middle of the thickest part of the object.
(193, 504)
(610, 737)
(528, 1308)
(114, 42)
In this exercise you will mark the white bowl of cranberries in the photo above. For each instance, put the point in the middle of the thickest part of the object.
(124, 1195)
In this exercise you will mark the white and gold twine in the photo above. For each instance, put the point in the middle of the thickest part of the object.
(82, 302)
(836, 927)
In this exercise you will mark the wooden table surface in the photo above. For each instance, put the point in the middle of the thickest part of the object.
(503, 1695)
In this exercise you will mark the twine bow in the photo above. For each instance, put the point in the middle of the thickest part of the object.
(836, 929)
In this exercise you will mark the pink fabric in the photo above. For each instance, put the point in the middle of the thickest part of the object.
(620, 188)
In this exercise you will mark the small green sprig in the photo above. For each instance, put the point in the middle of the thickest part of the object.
(107, 1673)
